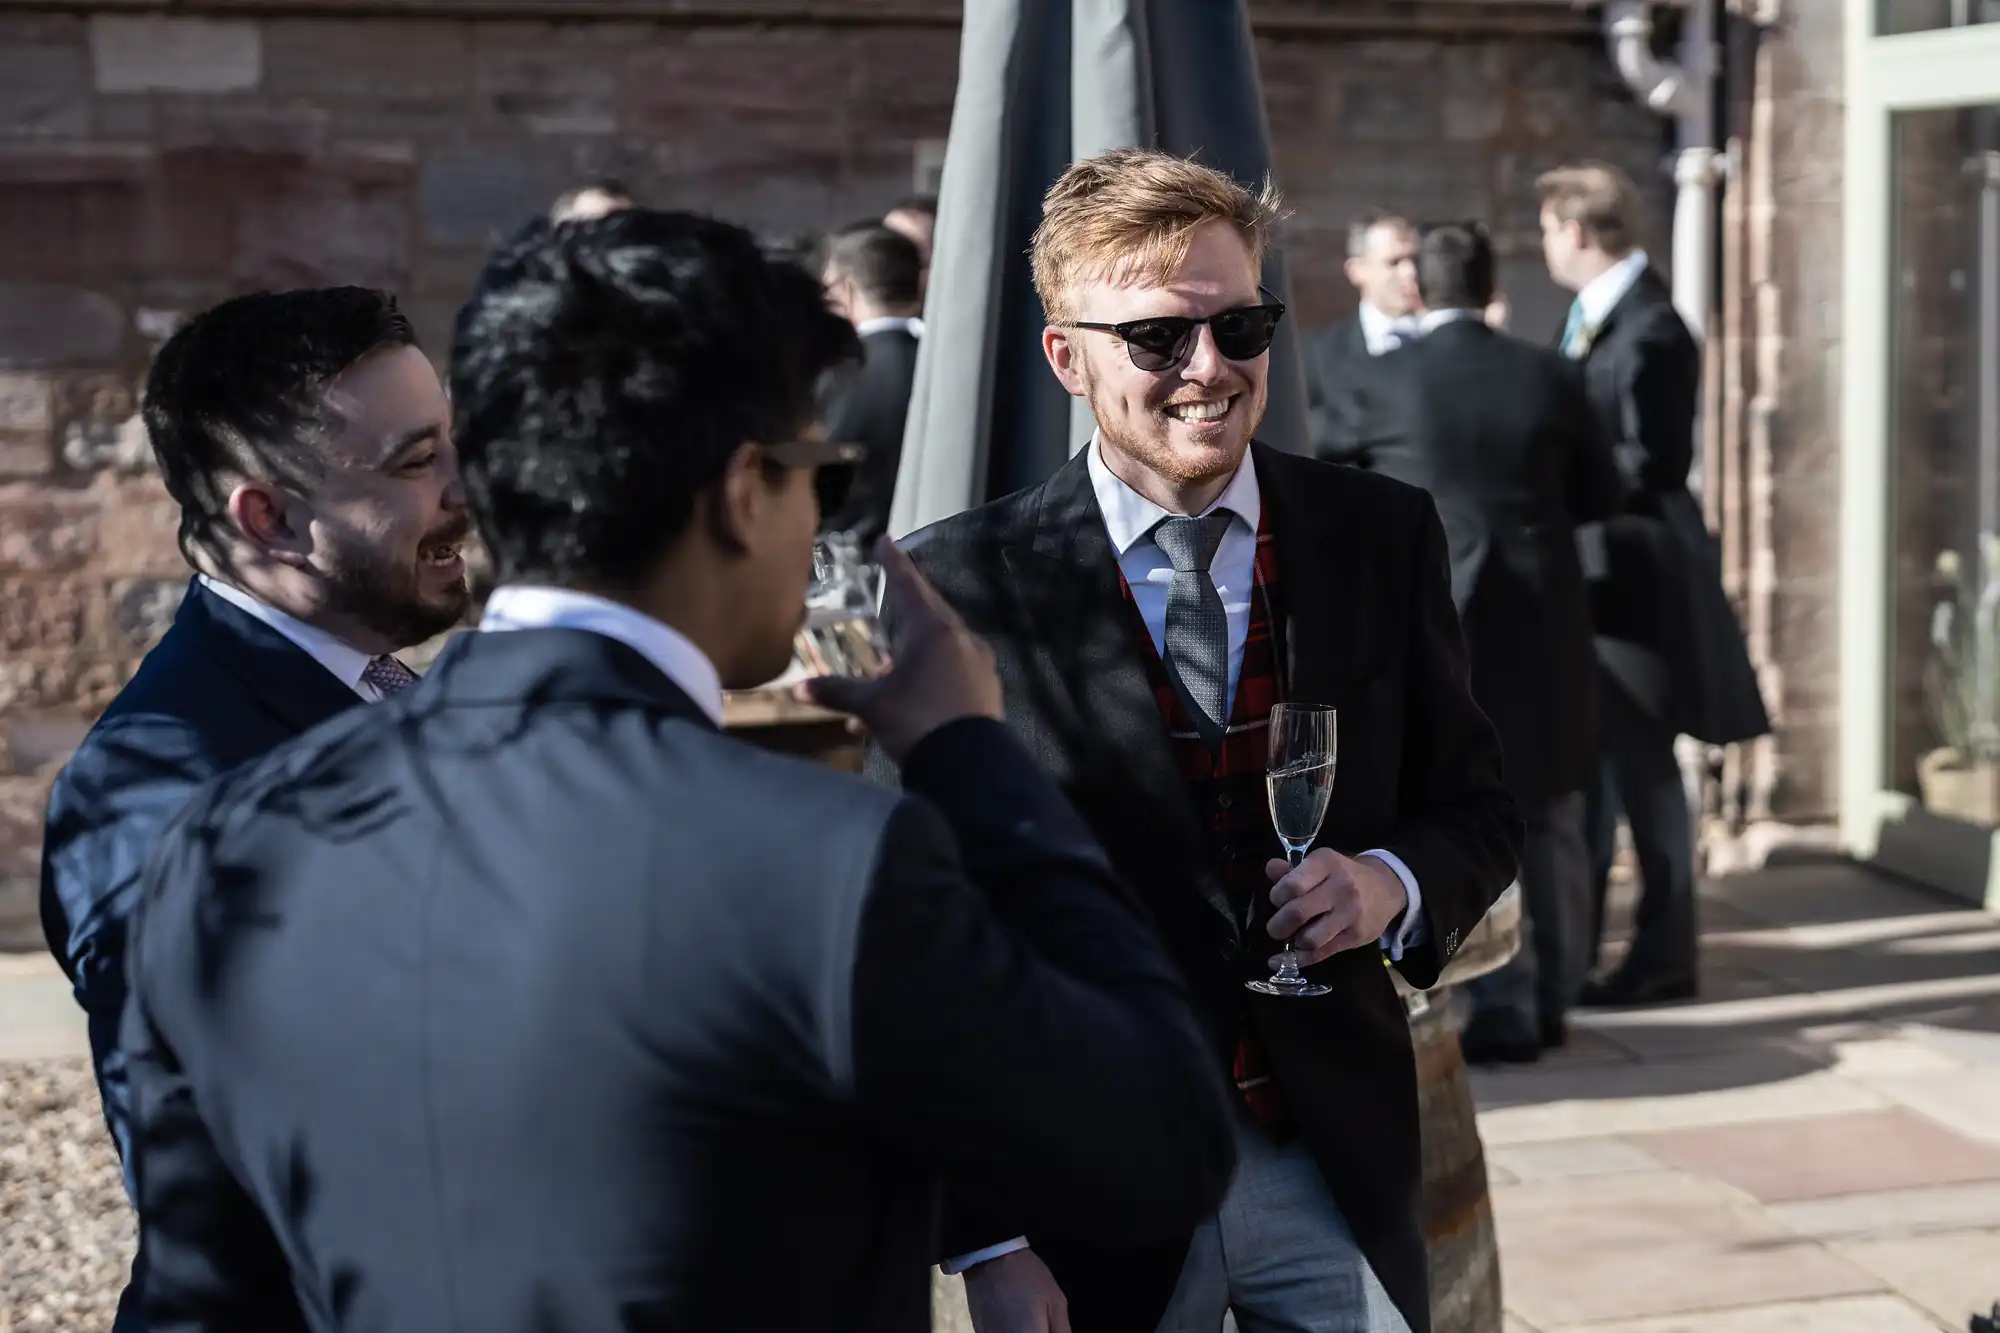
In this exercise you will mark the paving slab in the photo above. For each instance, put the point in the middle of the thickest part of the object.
(1953, 1276)
(1599, 1249)
(1853, 1314)
(1763, 1084)
(1823, 1156)
(39, 1018)
(1894, 1214)
(1569, 1159)
(1965, 1100)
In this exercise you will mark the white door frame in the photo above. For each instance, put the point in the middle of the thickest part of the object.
(1884, 75)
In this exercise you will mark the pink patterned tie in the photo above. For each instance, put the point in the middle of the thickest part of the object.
(387, 675)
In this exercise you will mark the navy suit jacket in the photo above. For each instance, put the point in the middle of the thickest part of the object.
(219, 689)
(526, 1000)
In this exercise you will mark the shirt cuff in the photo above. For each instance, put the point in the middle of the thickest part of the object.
(964, 1261)
(1412, 931)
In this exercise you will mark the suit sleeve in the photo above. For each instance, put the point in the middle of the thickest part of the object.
(1461, 833)
(1017, 1025)
(1659, 389)
(1594, 488)
(1327, 419)
(213, 1264)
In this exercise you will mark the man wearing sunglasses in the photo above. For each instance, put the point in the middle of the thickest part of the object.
(1148, 605)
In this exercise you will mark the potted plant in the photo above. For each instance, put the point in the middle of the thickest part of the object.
(1961, 777)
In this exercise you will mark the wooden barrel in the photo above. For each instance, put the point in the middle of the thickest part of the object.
(1458, 1215)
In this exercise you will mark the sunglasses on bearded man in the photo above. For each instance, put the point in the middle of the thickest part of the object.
(1165, 341)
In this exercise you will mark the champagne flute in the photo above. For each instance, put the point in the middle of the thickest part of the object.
(1298, 779)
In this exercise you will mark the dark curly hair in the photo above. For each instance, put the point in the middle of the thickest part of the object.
(604, 372)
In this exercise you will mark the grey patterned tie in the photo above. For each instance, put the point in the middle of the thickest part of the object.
(1197, 628)
(387, 675)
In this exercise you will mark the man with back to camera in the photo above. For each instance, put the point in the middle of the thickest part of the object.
(307, 442)
(1671, 655)
(1341, 361)
(1148, 605)
(874, 279)
(534, 1001)
(1499, 432)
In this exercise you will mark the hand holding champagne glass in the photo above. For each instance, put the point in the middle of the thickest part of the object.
(1298, 779)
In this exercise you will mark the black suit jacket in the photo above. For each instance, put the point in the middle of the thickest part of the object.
(1666, 630)
(219, 689)
(1501, 435)
(1368, 626)
(527, 1001)
(1343, 384)
(870, 410)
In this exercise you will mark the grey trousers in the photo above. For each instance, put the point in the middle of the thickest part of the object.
(1558, 920)
(1277, 1255)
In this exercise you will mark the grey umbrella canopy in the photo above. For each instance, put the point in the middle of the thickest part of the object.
(1042, 83)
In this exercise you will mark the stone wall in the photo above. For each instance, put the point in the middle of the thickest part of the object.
(150, 166)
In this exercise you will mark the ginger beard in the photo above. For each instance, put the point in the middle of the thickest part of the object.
(1193, 423)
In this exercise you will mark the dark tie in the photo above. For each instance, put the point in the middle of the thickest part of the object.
(1197, 627)
(1393, 340)
(387, 675)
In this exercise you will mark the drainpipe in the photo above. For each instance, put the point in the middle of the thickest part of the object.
(1684, 89)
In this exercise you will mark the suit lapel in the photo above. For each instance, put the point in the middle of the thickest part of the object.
(1323, 627)
(284, 677)
(1083, 628)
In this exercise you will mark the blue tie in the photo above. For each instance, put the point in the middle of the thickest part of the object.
(1573, 327)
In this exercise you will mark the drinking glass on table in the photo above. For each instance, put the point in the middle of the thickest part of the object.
(1298, 779)
(842, 634)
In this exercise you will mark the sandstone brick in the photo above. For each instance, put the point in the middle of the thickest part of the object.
(46, 324)
(88, 231)
(1473, 86)
(24, 805)
(136, 533)
(44, 90)
(95, 442)
(478, 196)
(141, 610)
(251, 125)
(45, 531)
(25, 454)
(405, 66)
(43, 615)
(26, 402)
(547, 90)
(139, 53)
(312, 228)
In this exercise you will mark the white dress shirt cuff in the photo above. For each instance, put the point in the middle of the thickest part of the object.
(961, 1263)
(1412, 931)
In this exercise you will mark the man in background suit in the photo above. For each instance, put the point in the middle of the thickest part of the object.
(1501, 435)
(532, 1001)
(307, 442)
(874, 278)
(1148, 605)
(1340, 361)
(1670, 652)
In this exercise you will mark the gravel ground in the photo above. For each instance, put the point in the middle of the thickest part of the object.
(65, 1231)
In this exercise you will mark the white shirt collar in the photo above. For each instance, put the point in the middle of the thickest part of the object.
(1437, 319)
(1376, 328)
(526, 606)
(891, 324)
(1608, 288)
(337, 655)
(1129, 516)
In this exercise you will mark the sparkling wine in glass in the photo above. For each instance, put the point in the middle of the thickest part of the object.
(842, 634)
(1299, 781)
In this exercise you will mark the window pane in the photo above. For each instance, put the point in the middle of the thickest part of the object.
(1945, 437)
(1897, 16)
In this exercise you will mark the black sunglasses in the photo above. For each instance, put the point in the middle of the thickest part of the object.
(1242, 334)
(812, 453)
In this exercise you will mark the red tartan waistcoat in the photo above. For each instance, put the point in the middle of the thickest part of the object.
(1226, 784)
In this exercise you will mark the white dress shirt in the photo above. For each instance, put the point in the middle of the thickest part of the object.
(1607, 289)
(337, 655)
(1433, 320)
(1130, 518)
(526, 606)
(1376, 329)
(909, 324)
